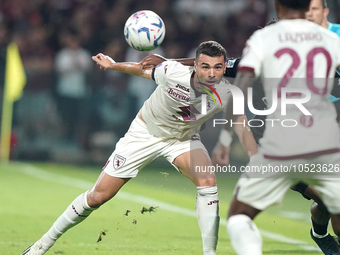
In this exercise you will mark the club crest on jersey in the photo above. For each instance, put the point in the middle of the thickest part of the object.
(118, 161)
(210, 103)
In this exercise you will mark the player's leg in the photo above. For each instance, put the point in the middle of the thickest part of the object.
(207, 203)
(137, 144)
(328, 190)
(320, 218)
(319, 233)
(244, 234)
(104, 189)
(253, 193)
(336, 227)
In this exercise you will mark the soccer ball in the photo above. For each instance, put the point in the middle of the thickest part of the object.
(144, 30)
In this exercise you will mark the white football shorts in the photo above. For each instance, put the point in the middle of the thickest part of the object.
(138, 148)
(263, 192)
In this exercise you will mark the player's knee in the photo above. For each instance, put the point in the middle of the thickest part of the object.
(96, 199)
(319, 213)
(206, 182)
(237, 207)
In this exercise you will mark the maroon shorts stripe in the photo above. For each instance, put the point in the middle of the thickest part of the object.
(245, 68)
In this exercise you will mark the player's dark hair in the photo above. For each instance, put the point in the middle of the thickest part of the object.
(272, 21)
(324, 4)
(295, 4)
(212, 49)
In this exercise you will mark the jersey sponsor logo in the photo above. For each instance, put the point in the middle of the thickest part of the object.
(178, 95)
(118, 161)
(179, 86)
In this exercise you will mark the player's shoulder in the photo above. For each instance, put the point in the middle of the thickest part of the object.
(171, 63)
(224, 81)
(224, 85)
(170, 66)
(294, 26)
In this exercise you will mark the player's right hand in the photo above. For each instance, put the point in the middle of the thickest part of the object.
(104, 61)
(220, 155)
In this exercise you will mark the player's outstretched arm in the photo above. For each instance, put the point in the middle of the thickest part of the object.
(155, 59)
(105, 62)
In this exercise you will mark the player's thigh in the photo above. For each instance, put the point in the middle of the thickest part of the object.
(134, 151)
(329, 190)
(328, 182)
(261, 192)
(196, 165)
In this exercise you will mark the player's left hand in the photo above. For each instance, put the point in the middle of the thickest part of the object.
(151, 61)
(104, 61)
(220, 155)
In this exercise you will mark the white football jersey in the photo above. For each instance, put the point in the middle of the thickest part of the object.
(296, 54)
(174, 110)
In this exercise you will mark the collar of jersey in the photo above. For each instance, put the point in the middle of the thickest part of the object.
(192, 85)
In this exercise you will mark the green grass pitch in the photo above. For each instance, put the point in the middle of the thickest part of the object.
(34, 195)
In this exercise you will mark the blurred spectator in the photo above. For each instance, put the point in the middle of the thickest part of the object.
(112, 107)
(140, 88)
(37, 26)
(72, 64)
(35, 111)
(112, 104)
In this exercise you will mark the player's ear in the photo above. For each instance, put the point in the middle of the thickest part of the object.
(195, 66)
(325, 12)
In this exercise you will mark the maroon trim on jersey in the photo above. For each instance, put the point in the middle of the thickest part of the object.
(306, 155)
(245, 68)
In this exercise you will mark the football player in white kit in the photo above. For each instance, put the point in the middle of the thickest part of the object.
(289, 54)
(166, 126)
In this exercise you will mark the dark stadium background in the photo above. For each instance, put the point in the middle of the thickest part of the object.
(39, 27)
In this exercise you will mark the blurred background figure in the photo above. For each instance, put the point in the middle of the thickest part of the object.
(68, 107)
(72, 65)
(140, 88)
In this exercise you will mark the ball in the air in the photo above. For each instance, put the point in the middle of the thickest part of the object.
(144, 30)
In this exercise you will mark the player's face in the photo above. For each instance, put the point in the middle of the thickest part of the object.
(316, 13)
(210, 70)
